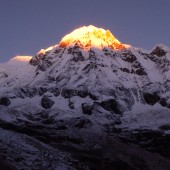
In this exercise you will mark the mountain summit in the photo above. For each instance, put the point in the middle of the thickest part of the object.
(82, 102)
(88, 36)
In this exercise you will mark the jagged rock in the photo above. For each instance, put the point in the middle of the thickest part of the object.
(5, 101)
(68, 93)
(88, 67)
(46, 102)
(77, 56)
(138, 69)
(37, 59)
(164, 102)
(26, 92)
(43, 66)
(125, 70)
(151, 99)
(110, 105)
(87, 108)
(42, 90)
(129, 57)
(81, 92)
(55, 91)
(34, 61)
(158, 51)
(57, 51)
(93, 96)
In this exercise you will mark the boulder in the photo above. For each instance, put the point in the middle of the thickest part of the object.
(5, 101)
(46, 102)
(87, 108)
(151, 99)
(110, 105)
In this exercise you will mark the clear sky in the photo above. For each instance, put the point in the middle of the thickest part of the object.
(26, 26)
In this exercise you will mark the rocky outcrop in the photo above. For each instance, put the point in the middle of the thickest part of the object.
(87, 108)
(151, 99)
(164, 102)
(110, 105)
(46, 102)
(5, 101)
(158, 51)
(68, 92)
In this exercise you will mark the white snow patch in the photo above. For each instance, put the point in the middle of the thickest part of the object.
(143, 116)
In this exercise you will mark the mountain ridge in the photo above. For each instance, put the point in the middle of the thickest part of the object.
(93, 68)
(78, 96)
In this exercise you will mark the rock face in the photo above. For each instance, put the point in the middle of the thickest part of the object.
(110, 105)
(89, 103)
(151, 98)
(158, 51)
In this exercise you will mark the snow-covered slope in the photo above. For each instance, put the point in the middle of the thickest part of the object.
(89, 80)
(89, 65)
(16, 73)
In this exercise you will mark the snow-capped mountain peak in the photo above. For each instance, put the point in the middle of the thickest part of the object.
(83, 94)
(92, 64)
(88, 36)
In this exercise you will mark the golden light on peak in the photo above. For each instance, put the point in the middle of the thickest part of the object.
(89, 36)
(22, 58)
(43, 51)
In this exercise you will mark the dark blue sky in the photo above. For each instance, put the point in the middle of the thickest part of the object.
(26, 26)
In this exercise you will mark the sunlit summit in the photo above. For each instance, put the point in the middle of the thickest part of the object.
(88, 36)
